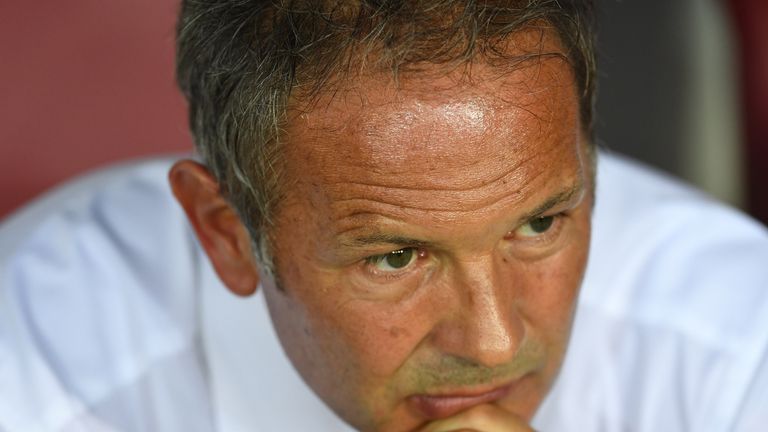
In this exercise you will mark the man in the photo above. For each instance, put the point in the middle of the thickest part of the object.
(429, 229)
(410, 187)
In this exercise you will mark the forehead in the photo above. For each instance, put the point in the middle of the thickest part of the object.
(534, 79)
(434, 147)
(452, 121)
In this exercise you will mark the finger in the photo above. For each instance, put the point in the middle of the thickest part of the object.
(481, 418)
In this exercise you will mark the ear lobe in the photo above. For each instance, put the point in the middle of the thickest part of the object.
(219, 229)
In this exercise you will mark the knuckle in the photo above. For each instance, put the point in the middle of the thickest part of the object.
(481, 414)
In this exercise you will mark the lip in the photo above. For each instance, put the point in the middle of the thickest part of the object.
(434, 407)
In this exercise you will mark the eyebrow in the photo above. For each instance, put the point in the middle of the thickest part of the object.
(555, 200)
(380, 238)
(388, 239)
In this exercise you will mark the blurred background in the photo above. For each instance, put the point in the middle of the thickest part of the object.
(683, 87)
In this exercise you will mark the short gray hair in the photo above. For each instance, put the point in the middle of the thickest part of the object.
(240, 63)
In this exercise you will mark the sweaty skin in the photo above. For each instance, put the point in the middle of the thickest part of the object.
(431, 244)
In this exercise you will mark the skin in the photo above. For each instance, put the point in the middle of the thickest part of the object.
(455, 170)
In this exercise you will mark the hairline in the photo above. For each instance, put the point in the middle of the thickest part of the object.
(263, 248)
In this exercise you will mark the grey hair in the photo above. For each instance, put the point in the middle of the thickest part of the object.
(241, 63)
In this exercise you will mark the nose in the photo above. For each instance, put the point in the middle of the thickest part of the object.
(482, 325)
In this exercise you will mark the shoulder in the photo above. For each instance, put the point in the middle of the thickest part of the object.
(90, 192)
(670, 330)
(95, 283)
(659, 245)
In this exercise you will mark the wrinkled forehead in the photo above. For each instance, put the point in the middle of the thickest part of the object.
(460, 115)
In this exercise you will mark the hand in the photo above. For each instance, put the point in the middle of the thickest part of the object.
(480, 418)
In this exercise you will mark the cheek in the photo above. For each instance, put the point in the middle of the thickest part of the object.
(553, 285)
(383, 337)
(370, 340)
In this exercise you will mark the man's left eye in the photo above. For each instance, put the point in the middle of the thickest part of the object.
(536, 227)
(393, 261)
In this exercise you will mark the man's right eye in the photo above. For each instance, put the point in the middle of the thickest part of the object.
(393, 261)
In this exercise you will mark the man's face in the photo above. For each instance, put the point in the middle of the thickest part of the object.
(433, 243)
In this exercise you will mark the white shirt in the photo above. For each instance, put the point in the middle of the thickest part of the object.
(111, 318)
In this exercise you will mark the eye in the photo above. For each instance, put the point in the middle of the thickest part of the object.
(536, 227)
(393, 261)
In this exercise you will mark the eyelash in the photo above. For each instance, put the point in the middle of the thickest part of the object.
(368, 264)
(544, 238)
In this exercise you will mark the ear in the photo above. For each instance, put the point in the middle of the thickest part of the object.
(218, 227)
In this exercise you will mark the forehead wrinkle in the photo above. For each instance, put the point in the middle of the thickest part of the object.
(476, 176)
(447, 210)
(509, 186)
(374, 230)
(349, 213)
(328, 160)
(480, 186)
(359, 212)
(464, 171)
(485, 196)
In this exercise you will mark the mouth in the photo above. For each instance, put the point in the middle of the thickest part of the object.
(438, 406)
